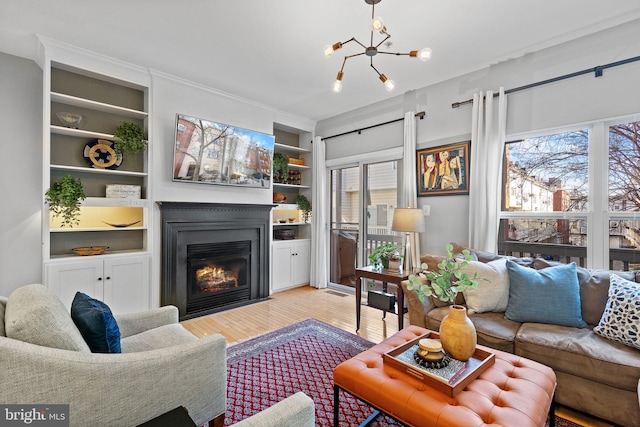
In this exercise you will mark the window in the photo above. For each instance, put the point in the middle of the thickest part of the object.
(624, 195)
(558, 195)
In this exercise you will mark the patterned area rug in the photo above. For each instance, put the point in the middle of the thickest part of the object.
(266, 369)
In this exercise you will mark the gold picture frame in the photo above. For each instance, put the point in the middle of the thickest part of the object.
(443, 170)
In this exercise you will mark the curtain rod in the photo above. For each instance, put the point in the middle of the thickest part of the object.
(598, 71)
(420, 114)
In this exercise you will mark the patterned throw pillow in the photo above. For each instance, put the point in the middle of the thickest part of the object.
(621, 318)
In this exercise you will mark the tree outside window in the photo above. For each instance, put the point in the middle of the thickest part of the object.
(546, 199)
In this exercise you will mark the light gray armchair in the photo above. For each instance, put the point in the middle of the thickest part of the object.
(162, 365)
(297, 410)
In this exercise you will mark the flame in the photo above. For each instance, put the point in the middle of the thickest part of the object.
(213, 278)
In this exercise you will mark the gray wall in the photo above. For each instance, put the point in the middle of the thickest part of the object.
(572, 101)
(20, 172)
(171, 95)
(584, 98)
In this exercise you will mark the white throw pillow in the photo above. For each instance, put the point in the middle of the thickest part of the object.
(492, 293)
(621, 318)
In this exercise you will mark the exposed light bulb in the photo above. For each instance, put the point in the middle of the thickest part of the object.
(424, 54)
(329, 49)
(337, 85)
(377, 24)
(389, 85)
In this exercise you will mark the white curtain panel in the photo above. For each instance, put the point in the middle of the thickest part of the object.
(320, 223)
(409, 197)
(485, 184)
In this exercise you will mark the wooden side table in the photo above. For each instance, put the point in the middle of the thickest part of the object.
(385, 276)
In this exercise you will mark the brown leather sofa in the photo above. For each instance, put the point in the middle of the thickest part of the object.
(595, 375)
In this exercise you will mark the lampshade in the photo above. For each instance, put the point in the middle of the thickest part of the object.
(408, 220)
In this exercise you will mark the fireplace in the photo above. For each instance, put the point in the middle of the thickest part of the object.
(214, 256)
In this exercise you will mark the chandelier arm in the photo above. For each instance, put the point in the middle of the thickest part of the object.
(347, 57)
(383, 40)
(355, 54)
(374, 68)
(395, 53)
(373, 15)
(343, 64)
(350, 40)
(357, 41)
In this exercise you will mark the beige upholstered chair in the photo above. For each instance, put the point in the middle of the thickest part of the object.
(162, 365)
(296, 410)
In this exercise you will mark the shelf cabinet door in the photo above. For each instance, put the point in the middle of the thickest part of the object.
(66, 278)
(302, 262)
(291, 263)
(282, 276)
(126, 284)
(123, 283)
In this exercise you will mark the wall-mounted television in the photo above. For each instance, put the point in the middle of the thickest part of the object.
(208, 152)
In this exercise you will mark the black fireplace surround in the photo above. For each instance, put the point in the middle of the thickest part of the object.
(198, 238)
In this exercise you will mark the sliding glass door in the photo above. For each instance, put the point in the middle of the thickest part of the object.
(345, 225)
(363, 199)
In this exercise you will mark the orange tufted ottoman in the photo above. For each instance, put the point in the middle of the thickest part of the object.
(513, 392)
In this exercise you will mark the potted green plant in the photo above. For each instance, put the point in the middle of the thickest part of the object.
(304, 205)
(383, 253)
(280, 167)
(64, 198)
(448, 281)
(457, 331)
(129, 139)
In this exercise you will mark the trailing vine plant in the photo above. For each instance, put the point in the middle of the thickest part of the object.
(64, 198)
(129, 139)
(304, 205)
(280, 166)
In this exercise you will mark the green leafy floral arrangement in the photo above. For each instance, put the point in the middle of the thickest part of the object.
(448, 281)
(385, 252)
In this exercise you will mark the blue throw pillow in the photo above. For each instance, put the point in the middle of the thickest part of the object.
(96, 324)
(550, 295)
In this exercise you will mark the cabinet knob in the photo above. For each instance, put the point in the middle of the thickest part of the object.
(99, 278)
(108, 278)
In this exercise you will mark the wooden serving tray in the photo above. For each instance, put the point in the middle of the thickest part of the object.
(469, 370)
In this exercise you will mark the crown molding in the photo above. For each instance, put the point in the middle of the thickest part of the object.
(50, 50)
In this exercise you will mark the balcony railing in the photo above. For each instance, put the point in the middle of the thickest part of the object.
(620, 259)
(376, 236)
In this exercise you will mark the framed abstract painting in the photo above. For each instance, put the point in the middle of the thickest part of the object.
(443, 170)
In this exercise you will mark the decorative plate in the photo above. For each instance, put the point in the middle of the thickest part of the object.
(101, 155)
(90, 250)
(121, 225)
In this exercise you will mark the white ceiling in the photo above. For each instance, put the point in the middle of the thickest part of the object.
(271, 51)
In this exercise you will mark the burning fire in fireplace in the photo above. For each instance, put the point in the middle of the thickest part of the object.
(212, 278)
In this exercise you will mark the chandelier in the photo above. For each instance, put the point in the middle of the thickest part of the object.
(377, 25)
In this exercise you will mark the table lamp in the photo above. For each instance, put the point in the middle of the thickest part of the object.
(408, 220)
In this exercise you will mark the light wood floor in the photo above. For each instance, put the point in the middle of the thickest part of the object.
(331, 306)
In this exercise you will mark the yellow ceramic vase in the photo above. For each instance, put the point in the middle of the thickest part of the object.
(457, 333)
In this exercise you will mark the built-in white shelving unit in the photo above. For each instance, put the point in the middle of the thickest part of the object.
(291, 256)
(106, 93)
